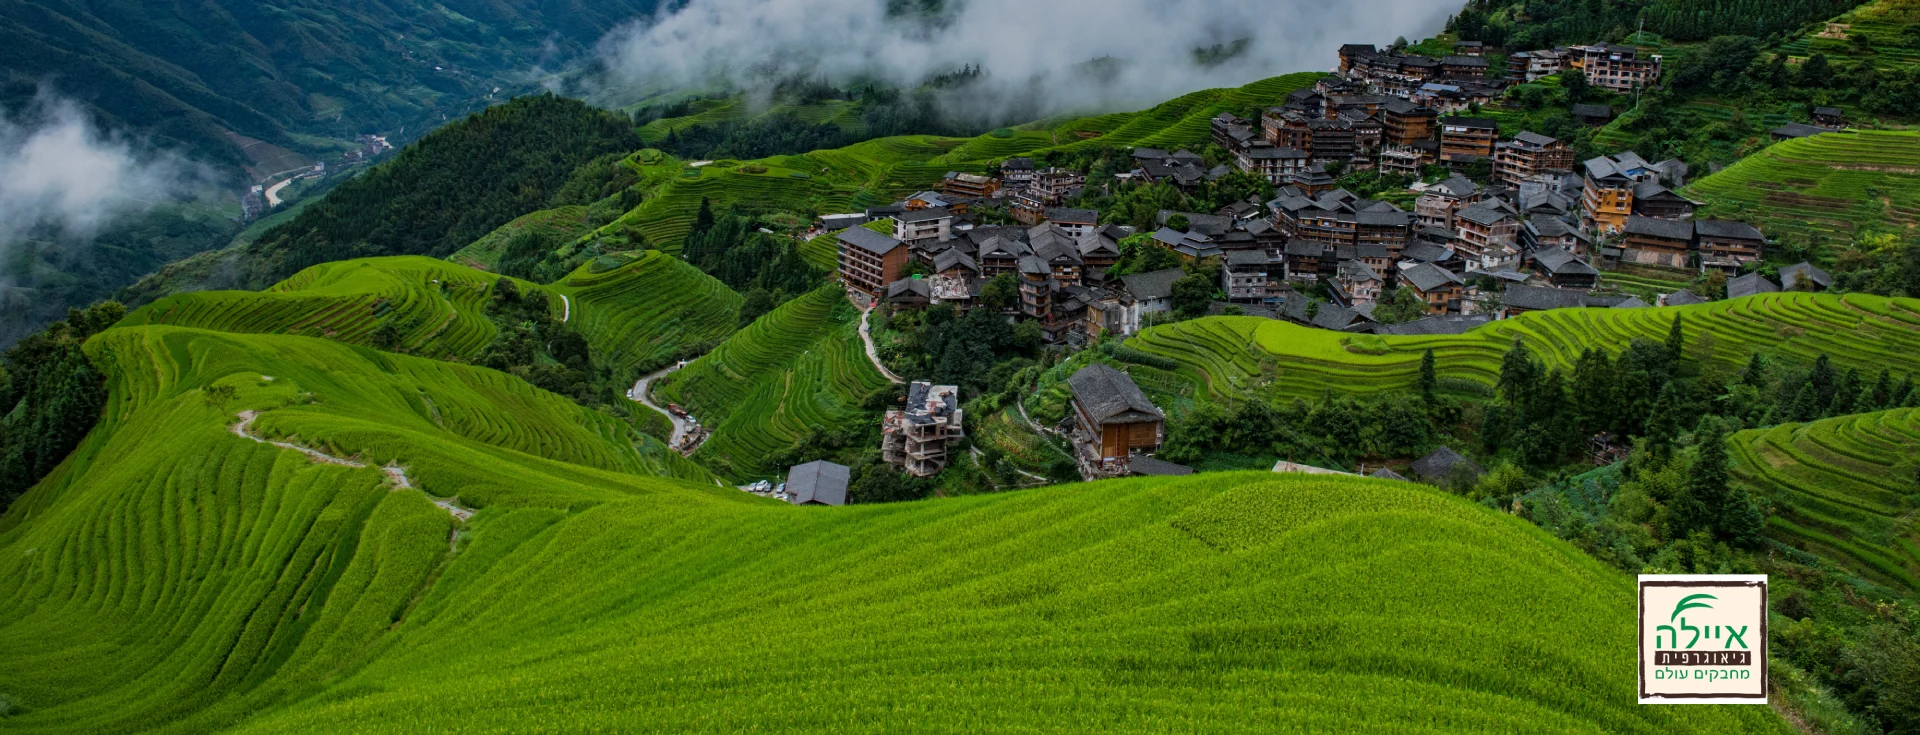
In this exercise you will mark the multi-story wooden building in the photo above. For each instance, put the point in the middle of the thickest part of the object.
(869, 260)
(1407, 123)
(1440, 288)
(1607, 194)
(1727, 245)
(1655, 241)
(918, 438)
(970, 186)
(1530, 154)
(1464, 138)
(1112, 414)
(1619, 68)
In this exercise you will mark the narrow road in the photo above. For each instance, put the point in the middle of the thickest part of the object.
(396, 474)
(273, 193)
(639, 394)
(866, 336)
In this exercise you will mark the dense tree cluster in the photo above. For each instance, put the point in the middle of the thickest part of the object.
(454, 186)
(52, 395)
(535, 346)
(766, 267)
(778, 134)
(952, 349)
(1528, 24)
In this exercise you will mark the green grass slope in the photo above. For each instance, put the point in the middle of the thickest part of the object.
(174, 574)
(882, 170)
(316, 600)
(636, 317)
(563, 224)
(1826, 185)
(1217, 355)
(1843, 488)
(799, 368)
(640, 316)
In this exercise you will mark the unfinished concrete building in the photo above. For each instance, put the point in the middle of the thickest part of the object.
(919, 438)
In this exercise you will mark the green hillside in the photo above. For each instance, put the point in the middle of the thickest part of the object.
(1214, 355)
(175, 577)
(1826, 185)
(798, 369)
(563, 224)
(1888, 26)
(881, 170)
(1844, 488)
(637, 316)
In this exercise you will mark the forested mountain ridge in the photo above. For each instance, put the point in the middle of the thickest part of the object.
(281, 70)
(453, 187)
(1537, 23)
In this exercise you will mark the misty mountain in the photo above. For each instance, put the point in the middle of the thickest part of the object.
(184, 74)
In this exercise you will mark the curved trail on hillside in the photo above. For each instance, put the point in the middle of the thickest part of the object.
(641, 387)
(566, 305)
(873, 354)
(396, 474)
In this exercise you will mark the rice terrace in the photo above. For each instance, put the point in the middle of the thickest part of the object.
(1491, 366)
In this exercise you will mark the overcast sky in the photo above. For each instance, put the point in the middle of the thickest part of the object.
(61, 175)
(1019, 42)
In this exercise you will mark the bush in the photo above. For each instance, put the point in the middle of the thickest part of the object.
(1003, 133)
(753, 168)
(1124, 353)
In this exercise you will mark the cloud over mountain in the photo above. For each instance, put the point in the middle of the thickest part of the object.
(60, 175)
(1031, 48)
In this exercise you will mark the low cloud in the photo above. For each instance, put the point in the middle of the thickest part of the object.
(62, 177)
(1034, 52)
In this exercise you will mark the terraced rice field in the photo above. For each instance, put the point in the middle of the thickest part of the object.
(1843, 488)
(882, 170)
(1220, 355)
(438, 306)
(636, 317)
(640, 316)
(1826, 185)
(1882, 20)
(174, 577)
(797, 369)
(558, 226)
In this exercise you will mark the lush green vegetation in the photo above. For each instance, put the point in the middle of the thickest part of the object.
(1825, 186)
(339, 603)
(540, 232)
(456, 185)
(1844, 488)
(55, 395)
(795, 377)
(289, 73)
(635, 316)
(1857, 330)
(1529, 24)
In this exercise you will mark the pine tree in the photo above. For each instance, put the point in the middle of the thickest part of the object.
(1744, 522)
(1594, 385)
(1883, 390)
(1845, 394)
(1663, 425)
(1902, 392)
(1824, 380)
(1677, 340)
(703, 220)
(1806, 404)
(1755, 375)
(1429, 377)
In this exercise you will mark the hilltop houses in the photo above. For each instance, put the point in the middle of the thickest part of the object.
(918, 438)
(1112, 416)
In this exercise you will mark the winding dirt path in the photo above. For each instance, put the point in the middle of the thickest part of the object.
(566, 305)
(396, 474)
(641, 394)
(873, 353)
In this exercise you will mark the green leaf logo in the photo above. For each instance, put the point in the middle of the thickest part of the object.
(1690, 602)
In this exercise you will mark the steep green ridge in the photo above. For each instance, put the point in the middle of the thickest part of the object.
(1844, 488)
(284, 71)
(561, 224)
(880, 170)
(175, 577)
(799, 368)
(636, 317)
(1828, 185)
(642, 315)
(1215, 354)
(1888, 26)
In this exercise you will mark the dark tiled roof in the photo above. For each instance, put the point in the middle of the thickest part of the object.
(1106, 393)
(1683, 298)
(1434, 325)
(924, 215)
(1477, 123)
(1790, 276)
(1387, 474)
(954, 258)
(1662, 228)
(1601, 111)
(1749, 285)
(1154, 285)
(1799, 130)
(1562, 263)
(1074, 216)
(1442, 463)
(907, 287)
(869, 240)
(1427, 277)
(1156, 467)
(1538, 298)
(818, 482)
(1727, 229)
